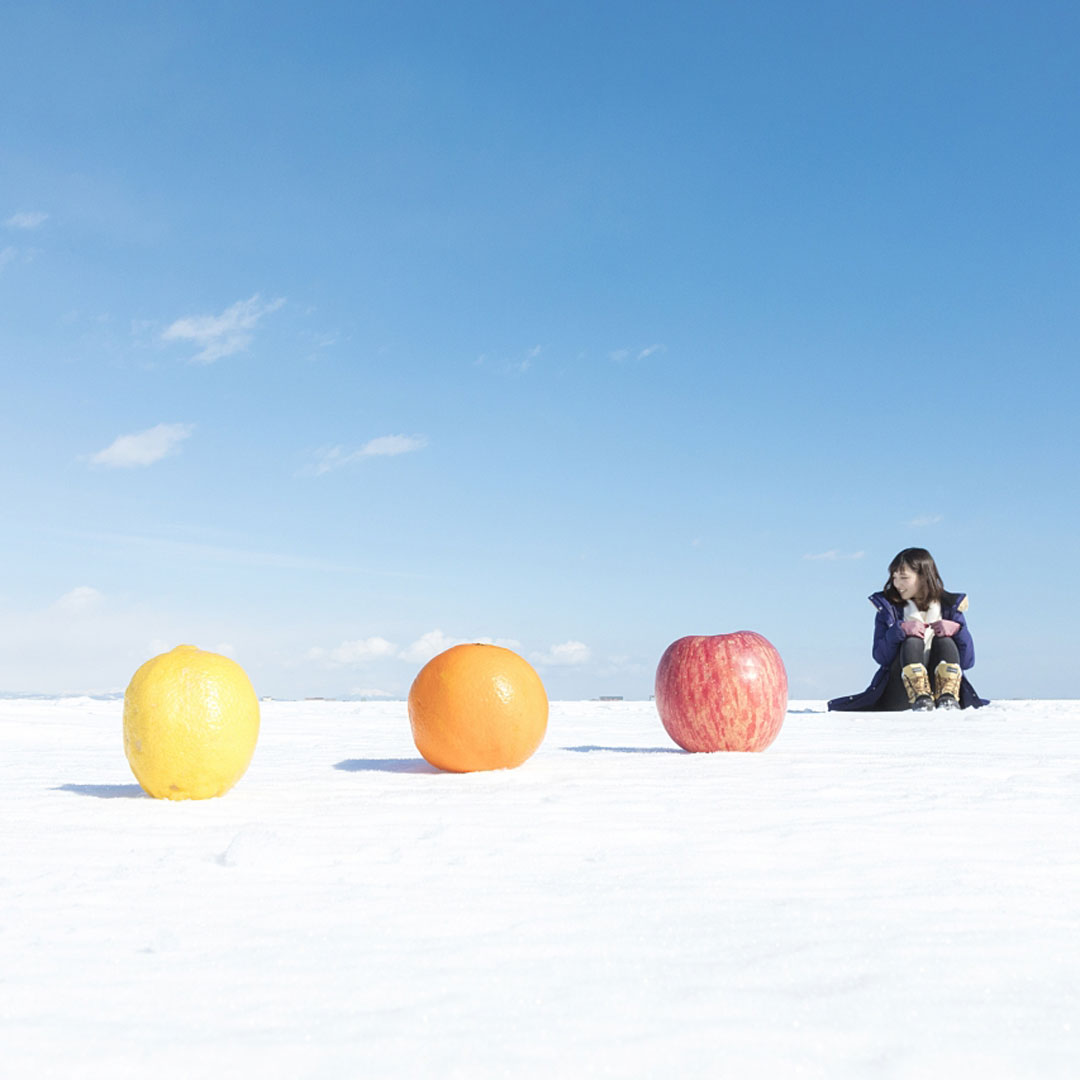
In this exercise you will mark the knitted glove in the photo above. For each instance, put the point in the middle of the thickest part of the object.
(945, 628)
(914, 628)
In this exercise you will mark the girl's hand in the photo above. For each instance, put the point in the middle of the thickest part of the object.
(945, 628)
(913, 628)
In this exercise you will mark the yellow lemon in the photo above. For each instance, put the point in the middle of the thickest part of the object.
(191, 720)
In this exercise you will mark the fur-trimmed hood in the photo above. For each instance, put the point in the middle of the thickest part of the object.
(952, 604)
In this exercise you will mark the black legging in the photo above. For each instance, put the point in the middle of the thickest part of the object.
(895, 698)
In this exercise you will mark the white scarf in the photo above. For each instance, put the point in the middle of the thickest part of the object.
(930, 615)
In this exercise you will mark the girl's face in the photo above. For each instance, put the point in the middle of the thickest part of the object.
(905, 582)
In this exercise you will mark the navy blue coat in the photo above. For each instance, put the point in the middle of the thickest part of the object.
(888, 637)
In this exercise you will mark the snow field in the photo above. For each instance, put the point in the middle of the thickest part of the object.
(873, 896)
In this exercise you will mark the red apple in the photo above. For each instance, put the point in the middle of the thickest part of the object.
(725, 692)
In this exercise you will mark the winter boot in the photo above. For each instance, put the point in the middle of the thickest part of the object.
(947, 685)
(917, 685)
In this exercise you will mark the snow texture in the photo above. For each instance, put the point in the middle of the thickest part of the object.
(874, 896)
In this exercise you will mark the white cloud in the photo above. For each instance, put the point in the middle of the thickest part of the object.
(926, 519)
(7, 255)
(319, 342)
(428, 645)
(620, 356)
(349, 653)
(390, 445)
(90, 642)
(336, 457)
(515, 365)
(435, 641)
(833, 555)
(225, 334)
(27, 219)
(81, 599)
(568, 654)
(523, 365)
(367, 650)
(144, 447)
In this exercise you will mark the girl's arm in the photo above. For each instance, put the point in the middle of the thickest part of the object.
(964, 645)
(887, 638)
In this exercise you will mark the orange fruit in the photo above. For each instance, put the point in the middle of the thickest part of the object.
(477, 707)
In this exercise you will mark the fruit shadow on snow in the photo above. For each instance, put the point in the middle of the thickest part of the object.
(625, 749)
(398, 765)
(105, 791)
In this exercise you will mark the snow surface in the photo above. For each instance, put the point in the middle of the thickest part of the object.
(874, 896)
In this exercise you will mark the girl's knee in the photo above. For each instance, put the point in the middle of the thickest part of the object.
(944, 649)
(911, 652)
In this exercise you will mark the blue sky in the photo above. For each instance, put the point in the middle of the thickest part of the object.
(332, 334)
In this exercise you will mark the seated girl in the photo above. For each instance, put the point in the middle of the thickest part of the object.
(921, 642)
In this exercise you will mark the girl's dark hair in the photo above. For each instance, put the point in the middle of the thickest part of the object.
(922, 562)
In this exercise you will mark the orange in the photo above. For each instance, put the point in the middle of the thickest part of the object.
(477, 707)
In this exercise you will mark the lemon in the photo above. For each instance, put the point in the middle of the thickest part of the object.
(191, 720)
